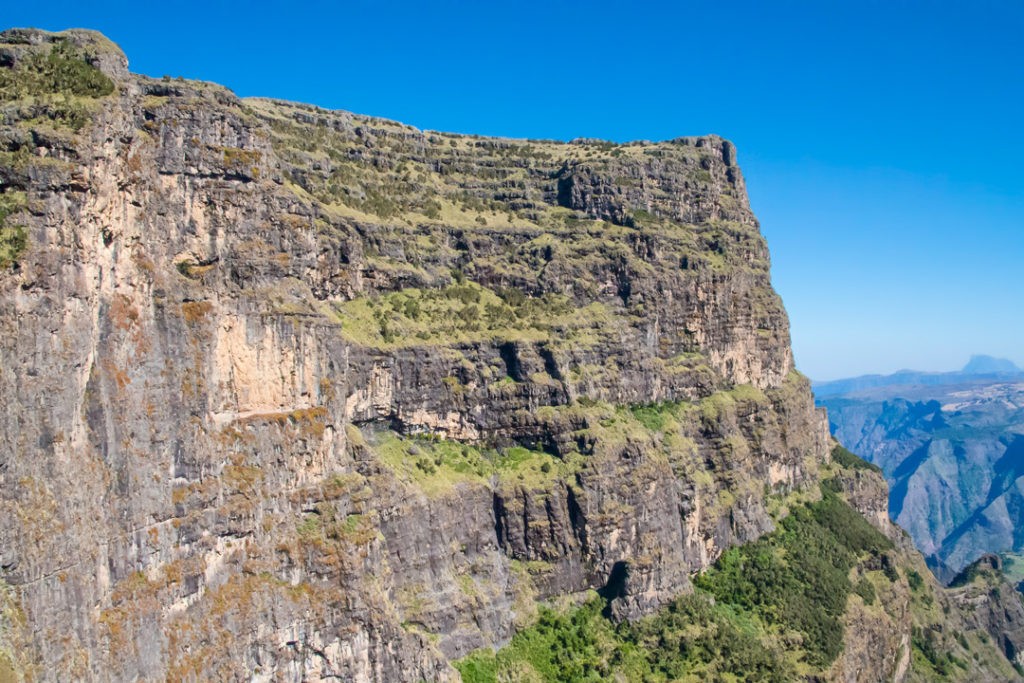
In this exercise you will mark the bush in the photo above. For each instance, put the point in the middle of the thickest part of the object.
(866, 590)
(847, 459)
(689, 637)
(466, 294)
(512, 296)
(63, 70)
(479, 667)
(797, 576)
(653, 416)
(792, 580)
(694, 636)
(13, 238)
(929, 646)
(13, 241)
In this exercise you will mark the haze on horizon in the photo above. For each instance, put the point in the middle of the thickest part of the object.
(880, 142)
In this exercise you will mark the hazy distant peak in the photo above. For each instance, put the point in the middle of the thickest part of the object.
(980, 367)
(983, 365)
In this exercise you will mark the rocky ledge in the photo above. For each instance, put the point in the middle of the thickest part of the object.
(295, 394)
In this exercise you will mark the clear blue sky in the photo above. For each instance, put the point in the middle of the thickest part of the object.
(882, 142)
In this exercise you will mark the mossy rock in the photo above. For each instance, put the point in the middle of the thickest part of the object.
(13, 236)
(62, 70)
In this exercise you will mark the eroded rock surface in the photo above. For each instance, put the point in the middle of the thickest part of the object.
(292, 394)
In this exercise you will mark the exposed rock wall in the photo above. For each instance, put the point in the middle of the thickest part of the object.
(215, 357)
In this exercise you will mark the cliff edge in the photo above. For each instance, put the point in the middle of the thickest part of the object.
(295, 394)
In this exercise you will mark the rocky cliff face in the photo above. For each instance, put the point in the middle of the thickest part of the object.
(292, 394)
(918, 630)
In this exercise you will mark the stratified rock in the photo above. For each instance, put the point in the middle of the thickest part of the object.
(292, 394)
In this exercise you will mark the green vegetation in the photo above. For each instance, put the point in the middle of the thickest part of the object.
(915, 580)
(653, 416)
(767, 611)
(847, 459)
(930, 657)
(58, 85)
(62, 70)
(691, 639)
(13, 237)
(866, 590)
(465, 311)
(798, 577)
(436, 465)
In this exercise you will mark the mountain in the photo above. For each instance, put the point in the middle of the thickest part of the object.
(295, 395)
(953, 453)
(987, 365)
(978, 368)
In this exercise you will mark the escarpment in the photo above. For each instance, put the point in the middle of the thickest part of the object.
(294, 394)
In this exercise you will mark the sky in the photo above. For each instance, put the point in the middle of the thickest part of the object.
(882, 142)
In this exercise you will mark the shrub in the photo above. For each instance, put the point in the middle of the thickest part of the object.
(432, 210)
(512, 296)
(866, 590)
(690, 637)
(792, 580)
(797, 576)
(63, 70)
(847, 459)
(13, 237)
(652, 415)
(466, 294)
(928, 644)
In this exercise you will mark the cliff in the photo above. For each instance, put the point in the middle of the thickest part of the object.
(292, 394)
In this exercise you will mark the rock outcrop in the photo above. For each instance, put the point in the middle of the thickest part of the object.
(292, 394)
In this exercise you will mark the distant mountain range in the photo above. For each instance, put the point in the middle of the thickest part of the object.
(979, 368)
(952, 447)
(986, 365)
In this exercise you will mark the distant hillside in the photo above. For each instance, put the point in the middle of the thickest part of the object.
(980, 367)
(952, 448)
(987, 364)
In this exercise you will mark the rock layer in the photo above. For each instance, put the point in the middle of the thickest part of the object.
(293, 394)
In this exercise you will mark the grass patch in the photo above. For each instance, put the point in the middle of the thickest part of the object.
(13, 236)
(653, 416)
(436, 466)
(847, 459)
(465, 312)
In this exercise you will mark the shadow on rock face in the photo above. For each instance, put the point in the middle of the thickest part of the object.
(616, 586)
